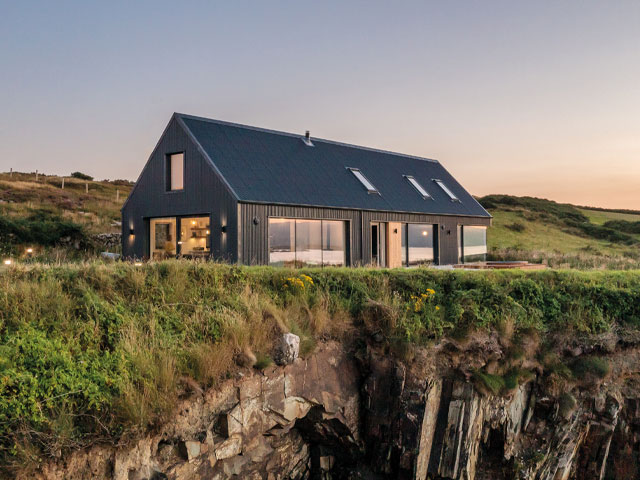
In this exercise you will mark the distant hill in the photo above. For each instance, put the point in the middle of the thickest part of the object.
(41, 213)
(562, 235)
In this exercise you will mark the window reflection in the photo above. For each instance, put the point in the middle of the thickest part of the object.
(420, 241)
(282, 242)
(306, 242)
(333, 251)
(474, 247)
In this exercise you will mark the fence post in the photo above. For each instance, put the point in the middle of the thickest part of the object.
(62, 183)
(11, 173)
(86, 187)
(117, 194)
(36, 175)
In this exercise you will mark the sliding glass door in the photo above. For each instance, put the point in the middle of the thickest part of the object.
(300, 242)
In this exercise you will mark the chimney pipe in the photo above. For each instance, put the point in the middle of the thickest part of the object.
(306, 135)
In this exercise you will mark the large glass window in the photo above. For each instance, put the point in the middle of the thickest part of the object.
(306, 242)
(474, 243)
(175, 171)
(420, 241)
(163, 238)
(195, 237)
(282, 242)
(333, 243)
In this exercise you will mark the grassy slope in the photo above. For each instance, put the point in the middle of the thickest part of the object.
(96, 210)
(92, 352)
(543, 236)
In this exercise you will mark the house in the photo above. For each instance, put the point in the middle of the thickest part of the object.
(254, 196)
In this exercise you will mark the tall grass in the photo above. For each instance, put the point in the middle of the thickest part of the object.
(91, 352)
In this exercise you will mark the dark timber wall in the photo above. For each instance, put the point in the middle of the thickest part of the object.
(204, 193)
(253, 246)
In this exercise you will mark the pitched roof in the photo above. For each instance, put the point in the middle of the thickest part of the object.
(266, 166)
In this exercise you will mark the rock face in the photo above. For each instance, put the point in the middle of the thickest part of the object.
(333, 417)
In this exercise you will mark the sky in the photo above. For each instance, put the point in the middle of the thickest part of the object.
(526, 98)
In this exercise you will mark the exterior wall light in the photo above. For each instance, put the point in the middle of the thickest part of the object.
(131, 231)
(256, 220)
(224, 229)
(8, 261)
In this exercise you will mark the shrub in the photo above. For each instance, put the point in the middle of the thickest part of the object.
(583, 367)
(566, 405)
(487, 382)
(516, 227)
(81, 176)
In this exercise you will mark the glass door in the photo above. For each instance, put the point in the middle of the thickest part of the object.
(379, 244)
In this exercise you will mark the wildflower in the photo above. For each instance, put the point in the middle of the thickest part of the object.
(437, 307)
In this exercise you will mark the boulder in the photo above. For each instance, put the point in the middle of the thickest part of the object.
(287, 349)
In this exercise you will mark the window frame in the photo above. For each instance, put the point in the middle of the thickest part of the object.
(167, 172)
(362, 178)
(446, 190)
(347, 236)
(418, 187)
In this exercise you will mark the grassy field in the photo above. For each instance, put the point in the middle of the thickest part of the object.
(100, 353)
(561, 235)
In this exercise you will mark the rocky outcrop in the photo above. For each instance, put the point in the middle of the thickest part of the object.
(331, 416)
(272, 425)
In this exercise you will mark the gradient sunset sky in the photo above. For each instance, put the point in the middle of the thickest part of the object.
(526, 98)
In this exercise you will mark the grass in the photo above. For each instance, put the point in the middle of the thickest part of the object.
(92, 352)
(561, 235)
(96, 210)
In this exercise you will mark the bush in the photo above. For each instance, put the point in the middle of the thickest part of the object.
(584, 367)
(516, 227)
(40, 227)
(566, 405)
(81, 176)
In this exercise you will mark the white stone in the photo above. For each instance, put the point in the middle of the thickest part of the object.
(288, 349)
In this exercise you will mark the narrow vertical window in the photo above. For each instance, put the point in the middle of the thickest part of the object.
(175, 171)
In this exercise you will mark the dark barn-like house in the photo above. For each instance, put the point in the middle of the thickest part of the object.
(214, 189)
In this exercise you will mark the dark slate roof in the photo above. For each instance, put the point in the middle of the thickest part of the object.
(265, 166)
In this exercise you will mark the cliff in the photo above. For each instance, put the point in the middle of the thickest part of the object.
(366, 414)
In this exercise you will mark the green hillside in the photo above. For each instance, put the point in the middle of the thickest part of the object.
(39, 213)
(562, 235)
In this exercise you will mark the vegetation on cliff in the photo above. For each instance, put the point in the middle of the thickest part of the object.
(97, 353)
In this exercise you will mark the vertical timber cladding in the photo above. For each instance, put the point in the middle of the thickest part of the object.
(204, 193)
(253, 230)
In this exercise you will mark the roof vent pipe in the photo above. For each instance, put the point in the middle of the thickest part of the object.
(307, 139)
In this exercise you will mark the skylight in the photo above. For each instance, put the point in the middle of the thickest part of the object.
(364, 181)
(418, 187)
(446, 190)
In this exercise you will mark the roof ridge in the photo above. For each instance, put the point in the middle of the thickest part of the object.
(294, 135)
